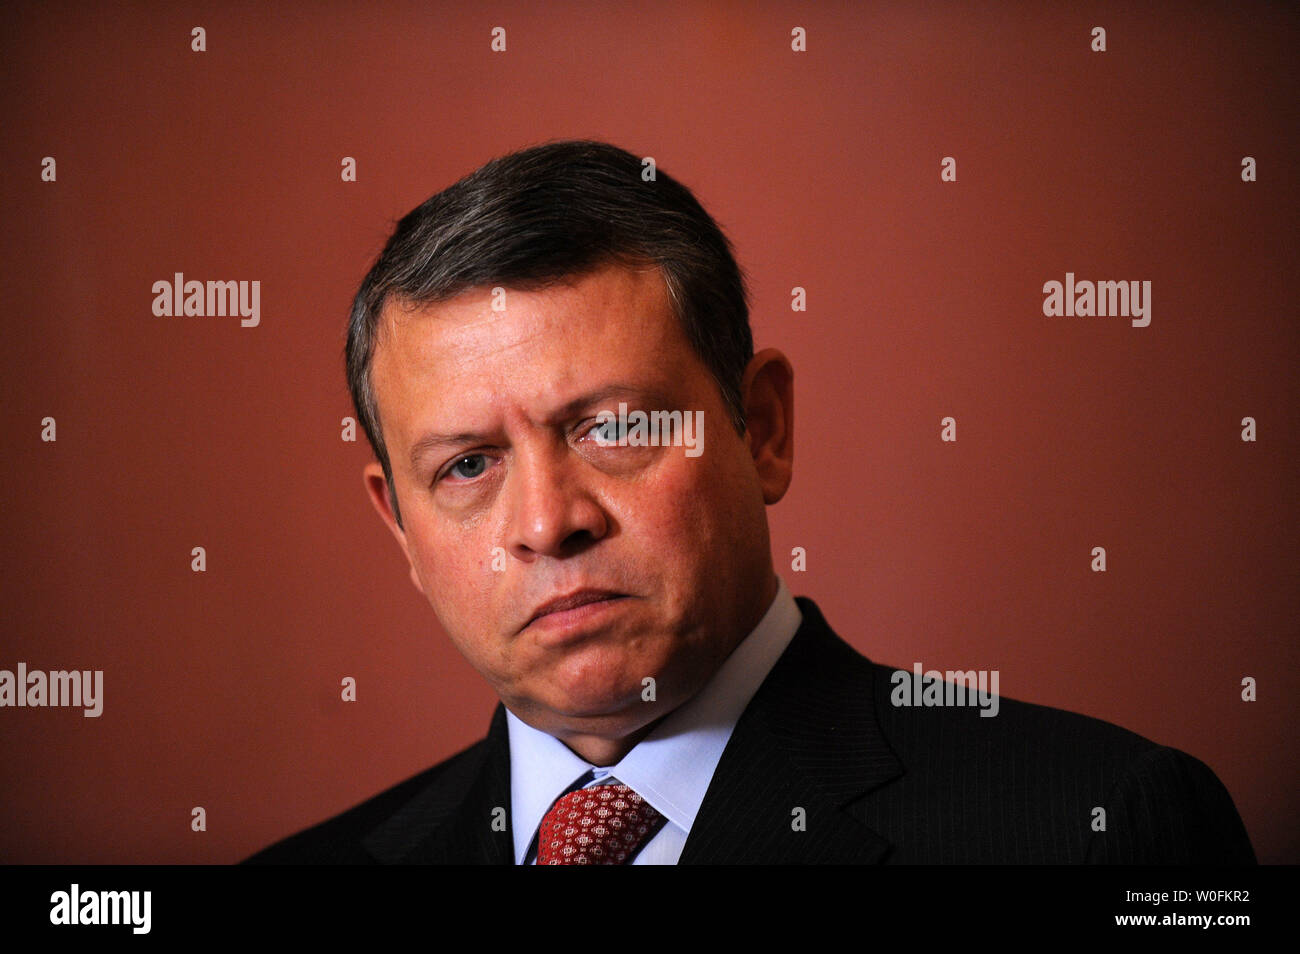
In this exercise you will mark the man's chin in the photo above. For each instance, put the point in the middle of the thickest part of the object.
(601, 705)
(598, 710)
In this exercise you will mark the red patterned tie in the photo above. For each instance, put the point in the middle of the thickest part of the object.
(604, 825)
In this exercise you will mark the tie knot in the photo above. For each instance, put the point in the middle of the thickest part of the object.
(603, 825)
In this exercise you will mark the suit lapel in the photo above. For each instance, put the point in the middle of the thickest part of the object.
(451, 821)
(806, 749)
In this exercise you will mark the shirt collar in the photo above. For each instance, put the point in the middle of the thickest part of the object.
(672, 766)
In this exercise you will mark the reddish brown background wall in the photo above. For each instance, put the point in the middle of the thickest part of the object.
(924, 300)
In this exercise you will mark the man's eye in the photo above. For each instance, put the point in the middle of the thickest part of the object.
(607, 432)
(468, 467)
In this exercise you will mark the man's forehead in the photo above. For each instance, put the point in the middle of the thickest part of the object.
(491, 319)
(447, 363)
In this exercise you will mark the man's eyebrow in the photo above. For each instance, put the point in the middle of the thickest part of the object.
(434, 440)
(431, 442)
(601, 395)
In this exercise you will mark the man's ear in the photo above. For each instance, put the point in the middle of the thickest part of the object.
(377, 491)
(768, 390)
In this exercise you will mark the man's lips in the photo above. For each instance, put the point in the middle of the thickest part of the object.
(571, 601)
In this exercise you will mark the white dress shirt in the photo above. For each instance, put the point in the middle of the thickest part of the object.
(672, 766)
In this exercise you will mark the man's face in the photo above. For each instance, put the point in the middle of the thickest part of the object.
(509, 501)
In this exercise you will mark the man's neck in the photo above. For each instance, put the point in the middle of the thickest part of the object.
(602, 752)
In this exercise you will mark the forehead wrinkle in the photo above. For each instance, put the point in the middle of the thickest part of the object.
(453, 397)
(466, 344)
(437, 364)
(472, 308)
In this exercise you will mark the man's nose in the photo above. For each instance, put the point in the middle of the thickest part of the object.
(553, 511)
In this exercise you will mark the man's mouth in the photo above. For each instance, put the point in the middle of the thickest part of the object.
(563, 605)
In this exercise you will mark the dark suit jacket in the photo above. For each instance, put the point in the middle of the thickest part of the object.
(877, 783)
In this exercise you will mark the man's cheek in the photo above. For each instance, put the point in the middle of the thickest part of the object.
(443, 565)
(670, 505)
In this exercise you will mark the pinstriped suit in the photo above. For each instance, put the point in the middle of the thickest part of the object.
(876, 783)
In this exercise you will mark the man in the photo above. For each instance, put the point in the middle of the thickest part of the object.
(664, 698)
